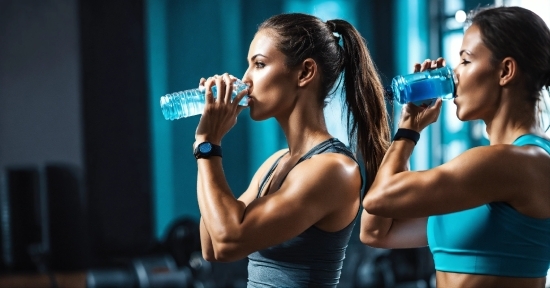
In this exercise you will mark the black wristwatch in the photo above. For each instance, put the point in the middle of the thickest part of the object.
(207, 149)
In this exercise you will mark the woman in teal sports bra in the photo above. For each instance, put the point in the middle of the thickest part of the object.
(485, 215)
(296, 217)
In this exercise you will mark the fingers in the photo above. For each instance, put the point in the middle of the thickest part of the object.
(440, 62)
(208, 83)
(436, 106)
(224, 89)
(228, 91)
(429, 64)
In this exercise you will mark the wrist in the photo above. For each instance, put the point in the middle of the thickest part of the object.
(206, 150)
(405, 133)
(200, 139)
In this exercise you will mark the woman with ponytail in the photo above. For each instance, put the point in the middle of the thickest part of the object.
(295, 219)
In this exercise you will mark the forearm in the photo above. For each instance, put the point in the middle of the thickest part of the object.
(387, 184)
(389, 233)
(206, 243)
(374, 229)
(396, 159)
(220, 210)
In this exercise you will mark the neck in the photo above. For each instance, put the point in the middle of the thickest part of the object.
(304, 128)
(511, 121)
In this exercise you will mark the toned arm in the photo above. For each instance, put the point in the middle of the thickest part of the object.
(312, 191)
(248, 196)
(478, 176)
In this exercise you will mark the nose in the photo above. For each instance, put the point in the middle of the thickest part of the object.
(246, 79)
(455, 72)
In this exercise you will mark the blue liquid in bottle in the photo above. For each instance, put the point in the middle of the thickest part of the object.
(424, 87)
(191, 102)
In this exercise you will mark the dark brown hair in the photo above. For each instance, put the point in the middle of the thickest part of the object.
(302, 36)
(521, 34)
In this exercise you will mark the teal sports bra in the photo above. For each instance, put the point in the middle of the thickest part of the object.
(492, 239)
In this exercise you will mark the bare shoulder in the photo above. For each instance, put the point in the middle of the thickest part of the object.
(501, 171)
(325, 173)
(328, 164)
(329, 185)
(502, 156)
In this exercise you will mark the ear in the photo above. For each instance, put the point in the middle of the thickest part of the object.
(509, 71)
(307, 72)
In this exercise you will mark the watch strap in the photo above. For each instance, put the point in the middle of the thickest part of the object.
(407, 134)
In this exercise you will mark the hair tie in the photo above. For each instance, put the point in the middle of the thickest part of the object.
(331, 26)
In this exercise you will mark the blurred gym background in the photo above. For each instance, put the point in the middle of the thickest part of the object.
(97, 189)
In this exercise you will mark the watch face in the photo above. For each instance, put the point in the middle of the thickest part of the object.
(205, 147)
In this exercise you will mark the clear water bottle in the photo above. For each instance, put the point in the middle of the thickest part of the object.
(423, 87)
(191, 102)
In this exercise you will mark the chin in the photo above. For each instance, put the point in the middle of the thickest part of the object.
(460, 114)
(256, 116)
(464, 116)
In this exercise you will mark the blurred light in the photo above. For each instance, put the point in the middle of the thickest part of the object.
(460, 16)
(451, 6)
(451, 48)
(452, 24)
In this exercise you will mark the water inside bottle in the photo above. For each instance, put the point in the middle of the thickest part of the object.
(424, 87)
(426, 91)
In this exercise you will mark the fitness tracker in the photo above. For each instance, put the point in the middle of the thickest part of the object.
(407, 134)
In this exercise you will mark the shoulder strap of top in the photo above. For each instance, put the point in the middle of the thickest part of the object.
(331, 145)
(266, 177)
(530, 139)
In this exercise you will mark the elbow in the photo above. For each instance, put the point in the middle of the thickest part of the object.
(208, 255)
(226, 248)
(224, 252)
(373, 239)
(219, 253)
(366, 238)
(375, 205)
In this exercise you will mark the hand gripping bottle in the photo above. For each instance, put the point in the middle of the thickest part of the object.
(191, 102)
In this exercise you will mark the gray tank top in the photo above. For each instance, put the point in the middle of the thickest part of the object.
(312, 259)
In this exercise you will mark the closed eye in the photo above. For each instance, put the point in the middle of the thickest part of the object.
(464, 62)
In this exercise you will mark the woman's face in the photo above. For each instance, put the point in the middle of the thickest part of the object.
(272, 84)
(478, 79)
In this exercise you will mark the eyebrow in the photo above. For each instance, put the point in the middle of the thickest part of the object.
(259, 54)
(465, 51)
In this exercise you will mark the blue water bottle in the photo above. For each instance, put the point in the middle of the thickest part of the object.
(423, 87)
(191, 102)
